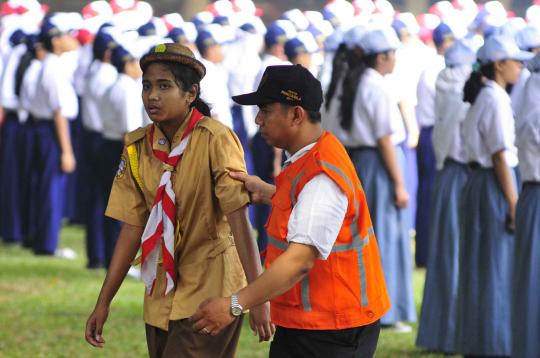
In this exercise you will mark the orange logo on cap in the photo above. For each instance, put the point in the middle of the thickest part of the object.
(291, 95)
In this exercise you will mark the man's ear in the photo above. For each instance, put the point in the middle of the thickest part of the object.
(299, 115)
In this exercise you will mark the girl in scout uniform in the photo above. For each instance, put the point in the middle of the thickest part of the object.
(488, 203)
(375, 130)
(437, 326)
(176, 200)
(122, 112)
(526, 289)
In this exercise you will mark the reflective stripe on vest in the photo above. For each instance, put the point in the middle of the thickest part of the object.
(357, 243)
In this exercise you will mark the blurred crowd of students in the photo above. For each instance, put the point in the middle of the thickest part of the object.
(439, 112)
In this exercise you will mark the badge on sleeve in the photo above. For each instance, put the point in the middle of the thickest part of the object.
(121, 167)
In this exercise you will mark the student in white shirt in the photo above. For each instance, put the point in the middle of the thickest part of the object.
(122, 112)
(371, 116)
(528, 39)
(27, 92)
(526, 289)
(437, 326)
(99, 78)
(488, 203)
(11, 225)
(54, 105)
(443, 37)
(214, 88)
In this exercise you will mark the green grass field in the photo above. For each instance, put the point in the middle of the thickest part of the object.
(44, 304)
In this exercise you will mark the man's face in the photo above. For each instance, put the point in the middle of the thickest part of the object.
(275, 124)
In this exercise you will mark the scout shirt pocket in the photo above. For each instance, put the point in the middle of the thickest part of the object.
(216, 273)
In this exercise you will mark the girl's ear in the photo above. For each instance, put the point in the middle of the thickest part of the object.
(192, 93)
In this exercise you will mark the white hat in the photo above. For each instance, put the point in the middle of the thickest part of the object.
(173, 19)
(497, 48)
(528, 38)
(459, 54)
(297, 17)
(352, 37)
(379, 40)
(532, 15)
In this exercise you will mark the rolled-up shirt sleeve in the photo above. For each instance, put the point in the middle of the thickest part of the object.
(318, 215)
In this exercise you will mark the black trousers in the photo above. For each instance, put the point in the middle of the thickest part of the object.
(359, 342)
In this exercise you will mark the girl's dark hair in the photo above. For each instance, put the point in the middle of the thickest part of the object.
(339, 66)
(24, 64)
(349, 65)
(186, 77)
(476, 82)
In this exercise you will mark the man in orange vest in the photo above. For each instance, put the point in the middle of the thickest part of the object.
(323, 273)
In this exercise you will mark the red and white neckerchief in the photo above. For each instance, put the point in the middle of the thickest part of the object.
(160, 227)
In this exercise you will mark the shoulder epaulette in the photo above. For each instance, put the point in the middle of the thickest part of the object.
(135, 136)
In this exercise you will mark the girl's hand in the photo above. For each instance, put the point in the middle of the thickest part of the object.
(94, 326)
(67, 162)
(402, 197)
(511, 218)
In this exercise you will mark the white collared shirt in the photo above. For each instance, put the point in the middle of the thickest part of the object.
(318, 214)
(8, 96)
(100, 77)
(375, 112)
(27, 96)
(425, 93)
(450, 112)
(518, 91)
(489, 127)
(123, 108)
(215, 92)
(54, 91)
(528, 131)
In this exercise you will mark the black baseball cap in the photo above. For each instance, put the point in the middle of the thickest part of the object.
(289, 84)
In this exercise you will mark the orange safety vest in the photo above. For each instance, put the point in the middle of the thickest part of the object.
(348, 288)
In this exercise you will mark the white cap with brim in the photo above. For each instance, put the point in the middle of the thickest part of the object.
(497, 48)
(352, 37)
(379, 40)
(459, 54)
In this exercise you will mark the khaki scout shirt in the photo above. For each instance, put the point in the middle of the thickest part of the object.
(206, 258)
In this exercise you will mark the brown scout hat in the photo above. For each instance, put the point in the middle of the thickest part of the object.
(175, 53)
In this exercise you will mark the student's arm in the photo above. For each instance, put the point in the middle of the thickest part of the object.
(409, 117)
(288, 269)
(260, 191)
(506, 183)
(67, 159)
(388, 154)
(259, 317)
(126, 248)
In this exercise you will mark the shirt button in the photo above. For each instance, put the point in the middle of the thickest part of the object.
(370, 314)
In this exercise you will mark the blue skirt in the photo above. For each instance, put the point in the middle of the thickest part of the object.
(426, 176)
(526, 291)
(437, 327)
(11, 226)
(485, 268)
(111, 151)
(391, 228)
(48, 189)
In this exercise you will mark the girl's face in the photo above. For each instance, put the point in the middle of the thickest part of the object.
(509, 70)
(164, 100)
(386, 62)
